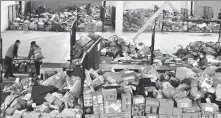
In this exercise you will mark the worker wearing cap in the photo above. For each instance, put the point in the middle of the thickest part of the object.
(34, 47)
(11, 53)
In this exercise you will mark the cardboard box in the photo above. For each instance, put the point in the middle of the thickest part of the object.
(97, 82)
(112, 106)
(194, 108)
(166, 103)
(209, 114)
(92, 116)
(113, 77)
(58, 102)
(109, 94)
(165, 116)
(217, 115)
(138, 109)
(124, 115)
(116, 115)
(177, 116)
(165, 111)
(139, 116)
(148, 110)
(50, 98)
(10, 111)
(152, 102)
(98, 109)
(184, 103)
(154, 110)
(34, 115)
(126, 102)
(209, 107)
(88, 100)
(139, 99)
(45, 115)
(151, 116)
(192, 115)
(97, 98)
(177, 111)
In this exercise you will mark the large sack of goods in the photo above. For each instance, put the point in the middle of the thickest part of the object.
(33, 26)
(196, 46)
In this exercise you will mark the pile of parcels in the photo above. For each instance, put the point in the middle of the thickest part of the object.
(135, 19)
(89, 20)
(212, 27)
(115, 48)
(22, 66)
(59, 96)
(45, 22)
(191, 51)
(147, 93)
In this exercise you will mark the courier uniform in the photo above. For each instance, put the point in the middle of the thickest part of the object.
(37, 63)
(9, 57)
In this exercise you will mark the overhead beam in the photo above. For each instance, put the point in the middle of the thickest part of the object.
(173, 7)
(151, 19)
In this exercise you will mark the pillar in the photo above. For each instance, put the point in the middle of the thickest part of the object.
(23, 7)
(119, 17)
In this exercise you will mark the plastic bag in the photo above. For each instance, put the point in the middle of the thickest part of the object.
(209, 50)
(57, 80)
(158, 94)
(218, 92)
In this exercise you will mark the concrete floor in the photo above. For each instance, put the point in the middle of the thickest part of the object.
(55, 45)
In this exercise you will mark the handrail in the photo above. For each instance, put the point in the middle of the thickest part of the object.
(89, 50)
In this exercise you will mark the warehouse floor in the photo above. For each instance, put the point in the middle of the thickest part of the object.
(55, 45)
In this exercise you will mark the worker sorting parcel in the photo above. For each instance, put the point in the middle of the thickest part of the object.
(12, 53)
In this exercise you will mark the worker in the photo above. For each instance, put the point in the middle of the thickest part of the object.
(88, 8)
(219, 17)
(35, 51)
(205, 16)
(9, 57)
(203, 62)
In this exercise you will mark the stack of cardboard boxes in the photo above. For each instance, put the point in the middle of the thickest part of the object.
(210, 110)
(107, 104)
(138, 106)
(166, 108)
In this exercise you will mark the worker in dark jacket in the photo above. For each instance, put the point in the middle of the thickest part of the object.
(219, 17)
(34, 47)
(205, 16)
(203, 62)
(9, 57)
(88, 8)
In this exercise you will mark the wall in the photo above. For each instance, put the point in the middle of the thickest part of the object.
(150, 4)
(198, 7)
(60, 4)
(4, 14)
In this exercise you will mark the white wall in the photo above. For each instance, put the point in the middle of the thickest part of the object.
(150, 4)
(4, 14)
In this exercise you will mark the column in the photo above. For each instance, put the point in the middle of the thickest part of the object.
(119, 17)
